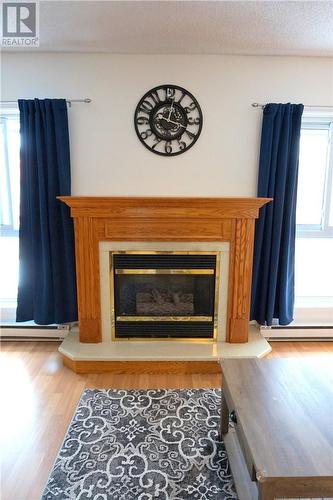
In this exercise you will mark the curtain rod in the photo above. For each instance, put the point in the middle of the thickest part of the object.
(257, 105)
(69, 101)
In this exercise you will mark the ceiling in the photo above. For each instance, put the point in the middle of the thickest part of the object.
(188, 27)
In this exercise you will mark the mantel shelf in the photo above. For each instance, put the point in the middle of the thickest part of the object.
(155, 207)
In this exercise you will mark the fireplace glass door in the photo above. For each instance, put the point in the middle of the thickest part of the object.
(164, 295)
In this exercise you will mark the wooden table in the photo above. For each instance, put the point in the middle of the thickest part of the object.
(284, 413)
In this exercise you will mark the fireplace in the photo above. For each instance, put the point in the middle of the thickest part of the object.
(210, 235)
(156, 294)
(134, 222)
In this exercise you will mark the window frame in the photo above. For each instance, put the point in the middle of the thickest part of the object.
(321, 121)
(311, 311)
(8, 231)
(5, 115)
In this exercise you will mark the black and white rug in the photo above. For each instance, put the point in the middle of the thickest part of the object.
(143, 445)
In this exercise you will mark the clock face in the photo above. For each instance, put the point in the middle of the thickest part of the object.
(168, 120)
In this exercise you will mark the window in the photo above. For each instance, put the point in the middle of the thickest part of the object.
(314, 217)
(314, 196)
(9, 211)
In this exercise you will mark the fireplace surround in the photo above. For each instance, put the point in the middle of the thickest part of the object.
(107, 219)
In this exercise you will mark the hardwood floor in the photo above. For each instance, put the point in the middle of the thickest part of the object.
(300, 349)
(39, 396)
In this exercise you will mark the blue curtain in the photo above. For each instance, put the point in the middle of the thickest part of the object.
(274, 250)
(47, 285)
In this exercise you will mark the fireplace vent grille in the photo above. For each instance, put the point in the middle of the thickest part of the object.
(165, 261)
(184, 330)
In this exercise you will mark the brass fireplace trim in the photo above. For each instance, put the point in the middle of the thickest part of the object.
(175, 339)
(165, 318)
(164, 271)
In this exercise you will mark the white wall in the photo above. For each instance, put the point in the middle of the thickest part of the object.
(107, 157)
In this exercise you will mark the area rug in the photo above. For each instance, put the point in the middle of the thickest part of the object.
(143, 445)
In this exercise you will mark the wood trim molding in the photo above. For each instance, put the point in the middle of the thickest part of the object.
(139, 367)
(163, 219)
(240, 278)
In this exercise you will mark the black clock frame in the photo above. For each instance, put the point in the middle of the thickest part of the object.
(152, 112)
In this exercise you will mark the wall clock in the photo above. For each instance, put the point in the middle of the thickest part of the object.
(168, 120)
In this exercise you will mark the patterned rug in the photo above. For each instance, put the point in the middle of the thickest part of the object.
(143, 445)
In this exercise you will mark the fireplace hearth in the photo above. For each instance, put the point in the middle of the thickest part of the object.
(164, 294)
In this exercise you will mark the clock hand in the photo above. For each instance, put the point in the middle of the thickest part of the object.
(170, 111)
(171, 121)
(177, 123)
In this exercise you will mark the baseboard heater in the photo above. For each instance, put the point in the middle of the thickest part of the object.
(33, 332)
(298, 332)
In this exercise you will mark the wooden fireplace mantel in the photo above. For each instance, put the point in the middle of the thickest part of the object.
(163, 219)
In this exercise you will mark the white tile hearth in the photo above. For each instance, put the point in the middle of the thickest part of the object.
(71, 347)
